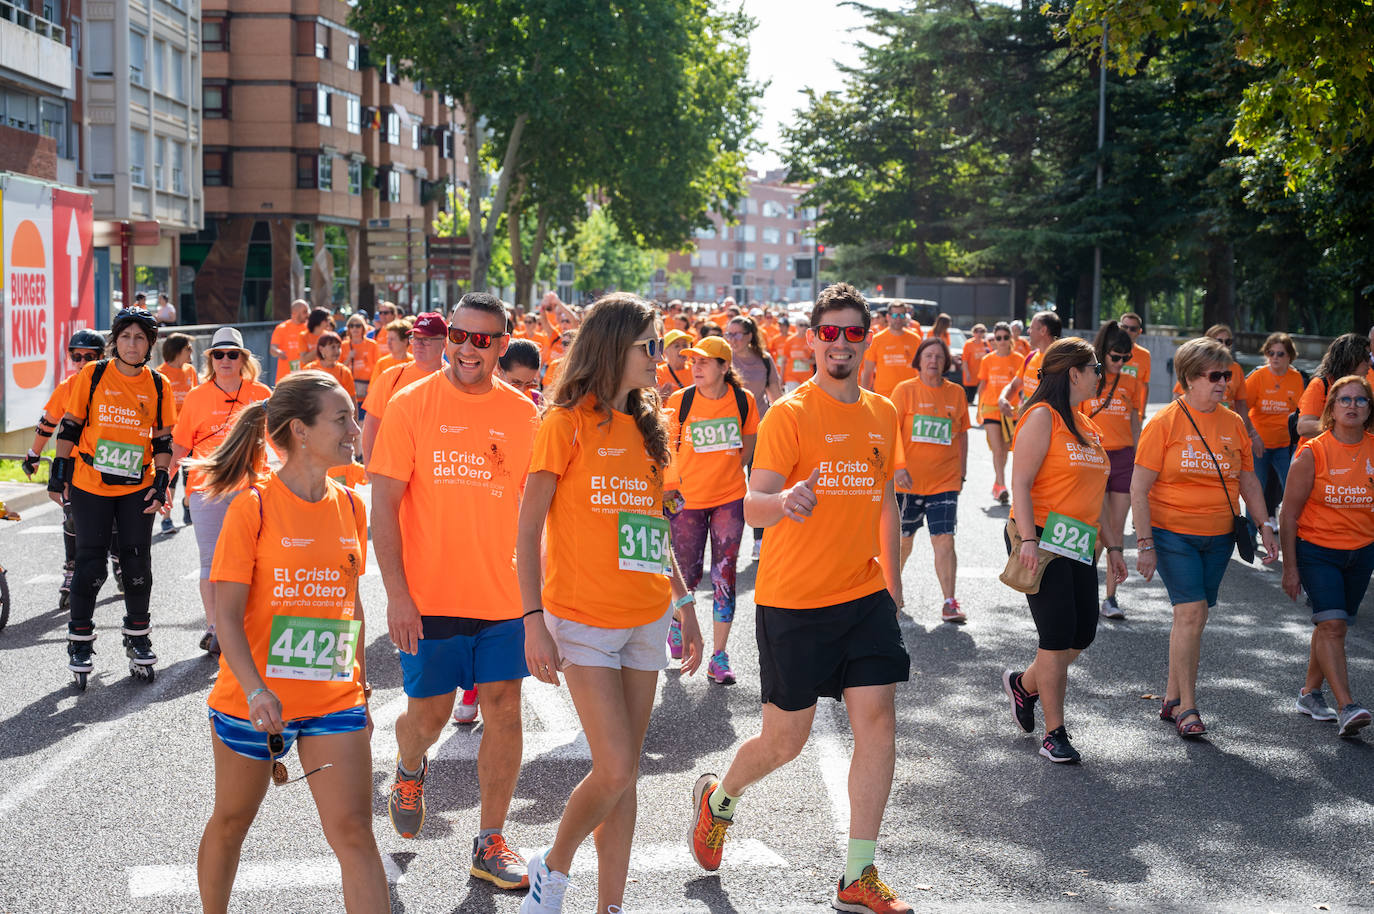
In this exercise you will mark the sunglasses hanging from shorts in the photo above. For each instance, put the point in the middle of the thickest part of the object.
(230, 354)
(276, 747)
(479, 340)
(829, 333)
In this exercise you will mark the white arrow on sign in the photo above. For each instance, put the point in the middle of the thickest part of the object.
(74, 252)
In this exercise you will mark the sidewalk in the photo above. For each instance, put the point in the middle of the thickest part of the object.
(23, 496)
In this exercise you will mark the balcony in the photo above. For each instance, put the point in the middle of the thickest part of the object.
(32, 45)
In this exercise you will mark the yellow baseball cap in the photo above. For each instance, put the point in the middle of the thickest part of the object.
(711, 347)
(672, 336)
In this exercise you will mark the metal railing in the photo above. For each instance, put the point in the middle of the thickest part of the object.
(33, 22)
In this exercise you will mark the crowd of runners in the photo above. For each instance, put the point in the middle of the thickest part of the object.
(582, 460)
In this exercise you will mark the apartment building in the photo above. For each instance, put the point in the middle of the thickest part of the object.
(754, 260)
(138, 71)
(307, 140)
(37, 90)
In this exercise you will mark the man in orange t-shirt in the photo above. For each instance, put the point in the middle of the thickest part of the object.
(974, 350)
(888, 360)
(427, 344)
(286, 340)
(447, 473)
(822, 486)
(798, 361)
(1045, 328)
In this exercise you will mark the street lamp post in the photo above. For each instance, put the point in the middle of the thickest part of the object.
(1101, 141)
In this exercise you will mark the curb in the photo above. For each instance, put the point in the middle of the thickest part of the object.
(20, 496)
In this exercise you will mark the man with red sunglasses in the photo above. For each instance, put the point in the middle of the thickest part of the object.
(447, 476)
(822, 487)
(427, 338)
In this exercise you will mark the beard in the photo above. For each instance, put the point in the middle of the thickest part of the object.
(839, 372)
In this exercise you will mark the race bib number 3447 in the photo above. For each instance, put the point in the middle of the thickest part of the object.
(643, 543)
(118, 458)
(320, 650)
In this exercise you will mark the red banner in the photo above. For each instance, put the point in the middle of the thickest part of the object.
(73, 271)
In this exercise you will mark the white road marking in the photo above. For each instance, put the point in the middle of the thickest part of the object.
(193, 575)
(563, 745)
(45, 579)
(63, 756)
(833, 762)
(745, 853)
(40, 529)
(180, 879)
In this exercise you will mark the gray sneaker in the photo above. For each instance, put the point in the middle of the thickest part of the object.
(1352, 720)
(1111, 609)
(494, 861)
(406, 803)
(1314, 705)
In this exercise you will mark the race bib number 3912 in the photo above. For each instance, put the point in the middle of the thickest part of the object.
(643, 543)
(320, 650)
(710, 435)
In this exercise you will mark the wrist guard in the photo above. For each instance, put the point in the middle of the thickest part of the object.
(30, 463)
(160, 483)
(60, 473)
(162, 444)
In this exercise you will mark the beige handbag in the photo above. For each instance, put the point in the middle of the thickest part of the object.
(1018, 576)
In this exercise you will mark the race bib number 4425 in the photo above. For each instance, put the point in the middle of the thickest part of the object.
(320, 650)
(643, 543)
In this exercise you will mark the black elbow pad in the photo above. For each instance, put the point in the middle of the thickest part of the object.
(70, 430)
(162, 444)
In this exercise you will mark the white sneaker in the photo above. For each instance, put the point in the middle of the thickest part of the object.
(465, 711)
(1110, 609)
(757, 544)
(546, 888)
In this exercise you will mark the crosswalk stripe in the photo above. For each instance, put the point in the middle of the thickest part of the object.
(44, 579)
(40, 529)
(744, 853)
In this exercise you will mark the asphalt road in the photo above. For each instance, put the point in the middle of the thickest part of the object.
(103, 795)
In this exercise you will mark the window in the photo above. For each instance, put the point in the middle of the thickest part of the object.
(20, 110)
(307, 171)
(101, 48)
(217, 168)
(352, 54)
(355, 178)
(138, 157)
(214, 101)
(708, 258)
(53, 123)
(160, 66)
(770, 261)
(159, 163)
(393, 128)
(791, 211)
(324, 115)
(312, 39)
(747, 260)
(326, 175)
(178, 74)
(102, 153)
(393, 186)
(792, 239)
(705, 233)
(745, 233)
(305, 106)
(355, 115)
(389, 72)
(138, 53)
(696, 258)
(214, 35)
(771, 236)
(178, 167)
(414, 134)
(725, 259)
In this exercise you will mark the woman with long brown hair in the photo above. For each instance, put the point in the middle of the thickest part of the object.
(599, 610)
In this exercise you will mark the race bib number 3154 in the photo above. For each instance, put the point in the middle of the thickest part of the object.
(643, 543)
(320, 650)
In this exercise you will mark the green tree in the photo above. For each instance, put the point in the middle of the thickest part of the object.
(605, 261)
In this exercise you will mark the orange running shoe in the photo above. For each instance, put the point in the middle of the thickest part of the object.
(707, 836)
(868, 895)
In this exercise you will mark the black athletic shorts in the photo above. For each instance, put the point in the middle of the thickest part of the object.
(807, 653)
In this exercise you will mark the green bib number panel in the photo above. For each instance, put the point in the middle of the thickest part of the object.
(932, 430)
(710, 435)
(318, 650)
(643, 543)
(118, 459)
(1069, 537)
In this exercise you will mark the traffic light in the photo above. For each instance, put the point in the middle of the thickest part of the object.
(880, 290)
(820, 250)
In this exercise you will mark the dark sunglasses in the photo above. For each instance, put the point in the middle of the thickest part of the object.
(230, 354)
(1097, 368)
(1216, 377)
(532, 384)
(276, 748)
(1131, 328)
(1000, 339)
(83, 357)
(479, 340)
(1119, 356)
(1277, 353)
(652, 348)
(1227, 342)
(829, 333)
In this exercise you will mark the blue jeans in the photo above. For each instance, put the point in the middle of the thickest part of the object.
(1335, 579)
(1192, 566)
(1278, 459)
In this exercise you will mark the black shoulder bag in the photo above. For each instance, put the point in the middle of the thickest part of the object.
(1242, 529)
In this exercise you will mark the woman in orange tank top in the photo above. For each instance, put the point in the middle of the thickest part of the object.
(1327, 532)
(1058, 484)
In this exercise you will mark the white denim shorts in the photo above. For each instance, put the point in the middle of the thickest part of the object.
(644, 647)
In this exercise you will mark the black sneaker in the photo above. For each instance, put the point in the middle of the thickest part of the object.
(1022, 702)
(1057, 747)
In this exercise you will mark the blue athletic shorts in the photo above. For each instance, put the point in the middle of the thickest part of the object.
(941, 509)
(241, 736)
(444, 665)
(1192, 566)
(1335, 579)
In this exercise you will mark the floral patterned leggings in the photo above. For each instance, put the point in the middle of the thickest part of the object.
(725, 525)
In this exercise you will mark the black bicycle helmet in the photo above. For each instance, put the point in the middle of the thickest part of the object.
(87, 339)
(140, 316)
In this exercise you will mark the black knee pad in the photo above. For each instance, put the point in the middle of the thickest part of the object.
(89, 571)
(136, 567)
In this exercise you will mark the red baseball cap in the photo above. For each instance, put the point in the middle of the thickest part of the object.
(430, 323)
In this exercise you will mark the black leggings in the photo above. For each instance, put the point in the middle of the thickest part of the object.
(1065, 607)
(69, 537)
(96, 517)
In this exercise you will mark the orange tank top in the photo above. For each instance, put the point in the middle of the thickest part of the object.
(1339, 513)
(1072, 477)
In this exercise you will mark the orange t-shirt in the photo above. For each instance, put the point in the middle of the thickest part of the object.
(182, 380)
(973, 355)
(310, 347)
(671, 379)
(1030, 374)
(1339, 513)
(463, 458)
(552, 349)
(891, 353)
(206, 419)
(1020, 345)
(798, 361)
(930, 450)
(286, 336)
(301, 562)
(1072, 478)
(832, 557)
(388, 384)
(706, 468)
(387, 360)
(1235, 388)
(56, 406)
(360, 359)
(609, 551)
(350, 475)
(551, 374)
(1312, 402)
(1114, 419)
(121, 413)
(1139, 368)
(997, 371)
(339, 373)
(1187, 496)
(1270, 399)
